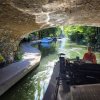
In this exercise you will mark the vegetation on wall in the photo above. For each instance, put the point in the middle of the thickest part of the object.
(18, 55)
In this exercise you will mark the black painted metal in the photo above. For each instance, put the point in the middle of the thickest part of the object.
(74, 74)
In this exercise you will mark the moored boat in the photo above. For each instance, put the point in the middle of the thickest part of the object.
(46, 40)
(69, 78)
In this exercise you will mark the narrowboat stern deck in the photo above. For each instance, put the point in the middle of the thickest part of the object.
(74, 82)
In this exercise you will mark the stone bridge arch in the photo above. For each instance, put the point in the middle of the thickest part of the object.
(20, 17)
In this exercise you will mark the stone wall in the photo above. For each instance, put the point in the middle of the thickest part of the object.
(21, 17)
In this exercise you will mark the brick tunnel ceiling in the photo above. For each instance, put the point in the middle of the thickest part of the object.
(20, 17)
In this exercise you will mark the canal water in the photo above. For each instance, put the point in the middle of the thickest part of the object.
(34, 85)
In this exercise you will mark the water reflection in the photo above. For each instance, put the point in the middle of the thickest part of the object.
(46, 48)
(45, 45)
(42, 81)
(62, 43)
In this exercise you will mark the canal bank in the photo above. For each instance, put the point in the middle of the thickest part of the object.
(12, 73)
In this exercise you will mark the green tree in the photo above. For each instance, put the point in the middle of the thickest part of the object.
(48, 32)
(79, 33)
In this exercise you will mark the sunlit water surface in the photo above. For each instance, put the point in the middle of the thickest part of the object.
(34, 85)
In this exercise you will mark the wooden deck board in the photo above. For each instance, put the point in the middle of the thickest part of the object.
(85, 92)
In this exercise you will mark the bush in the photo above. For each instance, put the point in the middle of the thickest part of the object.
(76, 37)
(18, 56)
